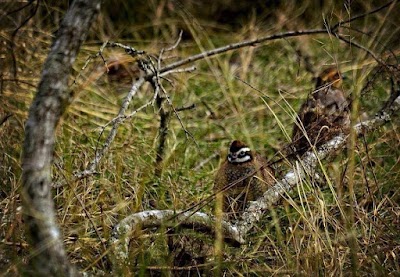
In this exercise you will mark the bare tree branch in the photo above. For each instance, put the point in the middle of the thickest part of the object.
(52, 98)
(239, 45)
(337, 25)
(90, 58)
(123, 231)
(158, 71)
(360, 46)
(91, 169)
(257, 41)
(307, 164)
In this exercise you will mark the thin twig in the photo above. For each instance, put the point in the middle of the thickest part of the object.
(99, 154)
(358, 45)
(187, 133)
(179, 70)
(205, 161)
(185, 108)
(176, 43)
(5, 118)
(122, 118)
(337, 25)
(90, 58)
(128, 49)
(238, 45)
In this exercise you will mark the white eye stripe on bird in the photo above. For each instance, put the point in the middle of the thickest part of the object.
(240, 156)
(243, 159)
(245, 149)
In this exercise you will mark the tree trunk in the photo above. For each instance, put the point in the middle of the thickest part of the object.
(48, 256)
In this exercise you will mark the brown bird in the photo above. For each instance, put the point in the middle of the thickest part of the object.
(324, 115)
(123, 71)
(240, 163)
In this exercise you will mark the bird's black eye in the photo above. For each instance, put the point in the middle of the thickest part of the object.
(242, 154)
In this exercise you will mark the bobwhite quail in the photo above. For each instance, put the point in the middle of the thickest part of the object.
(241, 162)
(324, 115)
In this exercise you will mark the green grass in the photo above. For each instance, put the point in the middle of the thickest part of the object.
(304, 235)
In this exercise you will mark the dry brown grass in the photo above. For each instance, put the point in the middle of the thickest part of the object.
(307, 234)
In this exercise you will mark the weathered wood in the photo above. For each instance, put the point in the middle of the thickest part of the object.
(52, 98)
(123, 231)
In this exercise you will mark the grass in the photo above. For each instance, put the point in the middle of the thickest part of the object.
(306, 234)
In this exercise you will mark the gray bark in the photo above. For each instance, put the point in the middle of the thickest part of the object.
(53, 96)
(123, 232)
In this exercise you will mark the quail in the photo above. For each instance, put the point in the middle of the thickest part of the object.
(324, 115)
(242, 163)
(123, 71)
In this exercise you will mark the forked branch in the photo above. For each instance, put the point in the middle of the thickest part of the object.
(159, 71)
(156, 218)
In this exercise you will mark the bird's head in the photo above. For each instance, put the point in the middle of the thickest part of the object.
(330, 77)
(239, 153)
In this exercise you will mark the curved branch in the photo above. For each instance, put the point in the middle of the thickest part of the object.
(122, 232)
(172, 68)
(238, 45)
(254, 42)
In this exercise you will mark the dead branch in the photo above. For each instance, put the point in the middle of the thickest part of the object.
(123, 231)
(154, 73)
(337, 25)
(352, 42)
(48, 256)
(91, 169)
(128, 49)
(307, 164)
(179, 70)
(162, 134)
(90, 58)
(239, 45)
(205, 161)
(257, 41)
(164, 115)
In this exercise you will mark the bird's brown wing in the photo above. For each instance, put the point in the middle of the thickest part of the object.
(322, 118)
(220, 179)
(232, 196)
(266, 176)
